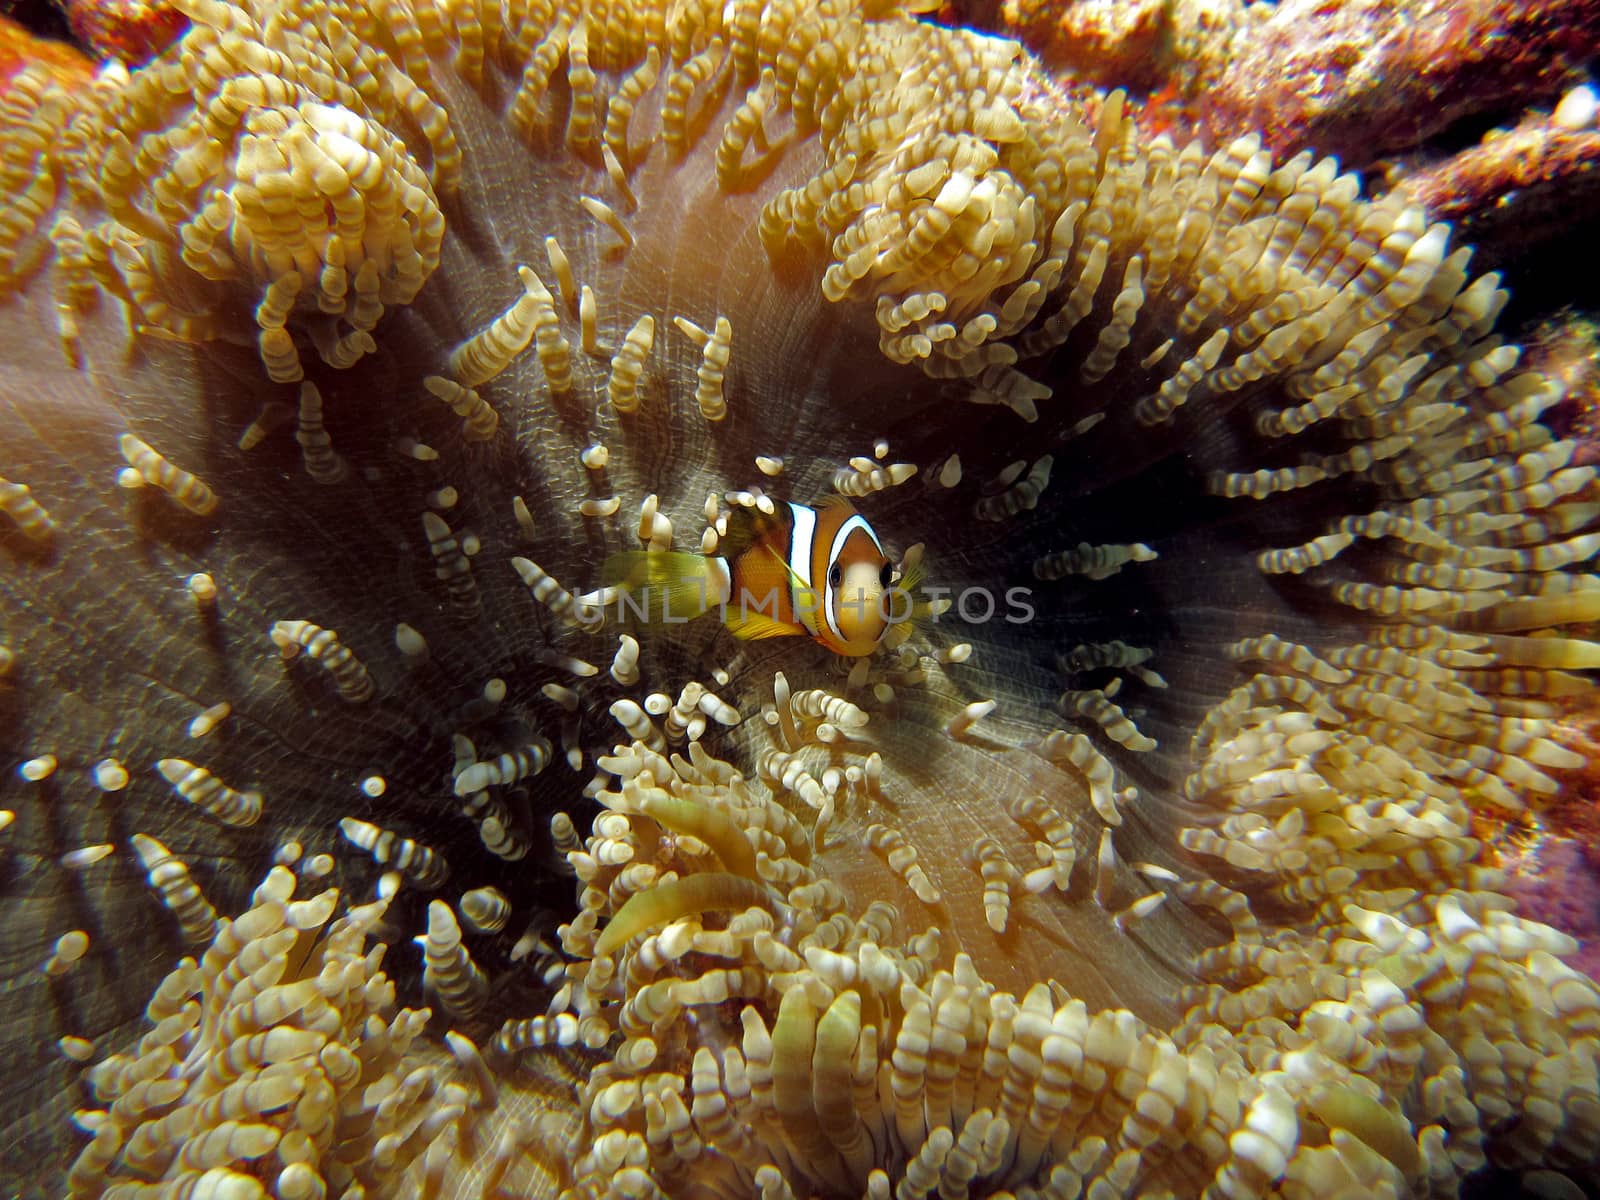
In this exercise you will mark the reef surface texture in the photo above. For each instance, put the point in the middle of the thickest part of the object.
(348, 852)
(1460, 103)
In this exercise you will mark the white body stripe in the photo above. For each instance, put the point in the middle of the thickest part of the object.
(801, 537)
(834, 551)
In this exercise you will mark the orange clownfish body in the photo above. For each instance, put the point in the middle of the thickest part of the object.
(799, 570)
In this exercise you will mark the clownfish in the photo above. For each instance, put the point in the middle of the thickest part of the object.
(819, 571)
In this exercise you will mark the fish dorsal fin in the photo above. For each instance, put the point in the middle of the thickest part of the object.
(754, 626)
(746, 526)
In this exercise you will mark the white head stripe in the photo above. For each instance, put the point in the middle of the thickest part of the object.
(834, 551)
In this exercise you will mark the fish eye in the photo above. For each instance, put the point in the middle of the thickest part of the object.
(886, 575)
(835, 575)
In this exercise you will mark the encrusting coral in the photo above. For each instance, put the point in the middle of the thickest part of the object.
(1395, 90)
(1144, 866)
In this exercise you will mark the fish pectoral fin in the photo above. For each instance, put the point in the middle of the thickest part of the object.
(754, 626)
(912, 579)
(794, 579)
(807, 599)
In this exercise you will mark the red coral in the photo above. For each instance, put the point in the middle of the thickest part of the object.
(1566, 349)
(1364, 78)
(1117, 42)
(19, 48)
(1517, 187)
(132, 31)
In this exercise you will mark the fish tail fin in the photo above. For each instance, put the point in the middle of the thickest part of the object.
(666, 585)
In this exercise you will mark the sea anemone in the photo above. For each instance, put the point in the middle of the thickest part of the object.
(343, 342)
